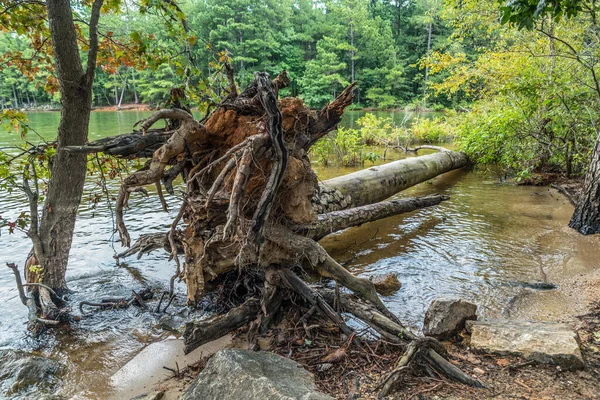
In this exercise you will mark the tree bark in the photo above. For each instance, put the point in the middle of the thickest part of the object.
(586, 218)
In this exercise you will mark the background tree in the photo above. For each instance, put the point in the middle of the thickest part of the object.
(585, 50)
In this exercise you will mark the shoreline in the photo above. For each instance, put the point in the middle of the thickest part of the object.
(150, 107)
(577, 296)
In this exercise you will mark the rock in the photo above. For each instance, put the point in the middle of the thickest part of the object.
(150, 396)
(21, 372)
(543, 342)
(445, 317)
(387, 284)
(171, 323)
(243, 374)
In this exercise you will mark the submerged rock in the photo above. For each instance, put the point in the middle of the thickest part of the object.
(387, 284)
(156, 395)
(445, 317)
(543, 342)
(171, 323)
(533, 285)
(250, 375)
(21, 372)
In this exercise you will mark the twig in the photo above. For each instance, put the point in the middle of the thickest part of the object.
(15, 270)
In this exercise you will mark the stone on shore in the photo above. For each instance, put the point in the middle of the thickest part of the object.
(543, 342)
(21, 372)
(250, 375)
(445, 317)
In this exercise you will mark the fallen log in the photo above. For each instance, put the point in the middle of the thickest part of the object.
(381, 182)
(338, 220)
(248, 207)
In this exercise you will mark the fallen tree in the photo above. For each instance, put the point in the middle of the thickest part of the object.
(378, 183)
(252, 206)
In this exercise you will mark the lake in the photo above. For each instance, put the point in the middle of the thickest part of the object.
(489, 235)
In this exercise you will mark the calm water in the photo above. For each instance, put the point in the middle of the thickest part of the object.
(476, 245)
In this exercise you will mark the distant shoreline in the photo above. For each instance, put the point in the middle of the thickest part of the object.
(150, 107)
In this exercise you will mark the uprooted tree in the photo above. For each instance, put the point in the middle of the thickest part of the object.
(250, 207)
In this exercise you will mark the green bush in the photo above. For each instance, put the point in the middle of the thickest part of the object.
(426, 130)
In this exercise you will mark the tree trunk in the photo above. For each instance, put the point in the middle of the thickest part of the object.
(586, 218)
(429, 29)
(52, 234)
(135, 95)
(378, 183)
(68, 172)
(352, 52)
(16, 105)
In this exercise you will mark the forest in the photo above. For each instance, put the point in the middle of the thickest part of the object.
(257, 199)
(379, 44)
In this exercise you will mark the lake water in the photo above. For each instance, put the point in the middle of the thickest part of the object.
(489, 235)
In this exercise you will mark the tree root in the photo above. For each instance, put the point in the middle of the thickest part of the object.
(152, 241)
(189, 131)
(291, 281)
(430, 350)
(116, 303)
(426, 353)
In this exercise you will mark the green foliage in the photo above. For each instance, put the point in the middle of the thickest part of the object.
(323, 45)
(375, 131)
(349, 147)
(533, 92)
(426, 130)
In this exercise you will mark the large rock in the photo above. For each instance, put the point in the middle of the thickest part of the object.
(249, 375)
(544, 342)
(22, 373)
(445, 317)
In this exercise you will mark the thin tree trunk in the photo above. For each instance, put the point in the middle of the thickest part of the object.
(135, 95)
(429, 29)
(16, 106)
(116, 90)
(122, 93)
(65, 187)
(352, 52)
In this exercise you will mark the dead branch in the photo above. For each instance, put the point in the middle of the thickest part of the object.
(330, 115)
(338, 220)
(15, 270)
(198, 333)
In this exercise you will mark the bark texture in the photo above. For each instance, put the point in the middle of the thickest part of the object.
(586, 218)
